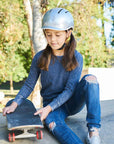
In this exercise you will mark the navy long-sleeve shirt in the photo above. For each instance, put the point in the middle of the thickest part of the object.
(57, 84)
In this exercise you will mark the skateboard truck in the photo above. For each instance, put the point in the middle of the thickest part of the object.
(24, 134)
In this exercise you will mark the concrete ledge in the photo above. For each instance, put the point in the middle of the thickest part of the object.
(105, 77)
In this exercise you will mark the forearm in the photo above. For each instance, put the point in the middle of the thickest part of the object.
(24, 92)
(29, 84)
(60, 100)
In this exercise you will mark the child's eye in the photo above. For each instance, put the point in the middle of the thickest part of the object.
(49, 35)
(57, 35)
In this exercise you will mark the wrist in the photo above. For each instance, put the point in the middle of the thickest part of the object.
(49, 108)
(14, 104)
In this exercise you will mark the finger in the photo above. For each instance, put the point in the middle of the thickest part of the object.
(9, 111)
(38, 112)
(42, 118)
(4, 111)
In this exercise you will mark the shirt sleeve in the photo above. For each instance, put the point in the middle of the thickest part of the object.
(30, 82)
(71, 84)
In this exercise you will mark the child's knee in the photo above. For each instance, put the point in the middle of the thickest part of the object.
(52, 126)
(91, 79)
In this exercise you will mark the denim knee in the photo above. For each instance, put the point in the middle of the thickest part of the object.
(90, 78)
(51, 125)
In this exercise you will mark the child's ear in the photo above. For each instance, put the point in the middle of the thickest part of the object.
(69, 33)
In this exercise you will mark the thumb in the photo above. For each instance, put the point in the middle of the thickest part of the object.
(38, 112)
(5, 111)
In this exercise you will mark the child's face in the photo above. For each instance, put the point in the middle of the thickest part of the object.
(55, 38)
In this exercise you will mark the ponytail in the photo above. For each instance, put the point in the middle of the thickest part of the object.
(69, 61)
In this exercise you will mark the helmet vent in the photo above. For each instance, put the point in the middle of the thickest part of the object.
(66, 11)
(60, 11)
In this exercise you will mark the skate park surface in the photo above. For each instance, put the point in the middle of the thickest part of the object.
(77, 123)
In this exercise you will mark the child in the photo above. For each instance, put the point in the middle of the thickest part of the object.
(60, 66)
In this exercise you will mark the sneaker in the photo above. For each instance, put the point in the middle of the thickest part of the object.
(94, 139)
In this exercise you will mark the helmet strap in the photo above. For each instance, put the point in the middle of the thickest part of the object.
(61, 47)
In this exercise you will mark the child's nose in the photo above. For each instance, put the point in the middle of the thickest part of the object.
(53, 38)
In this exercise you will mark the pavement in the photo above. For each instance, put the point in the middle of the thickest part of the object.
(77, 123)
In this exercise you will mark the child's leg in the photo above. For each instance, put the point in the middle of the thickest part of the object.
(87, 92)
(56, 124)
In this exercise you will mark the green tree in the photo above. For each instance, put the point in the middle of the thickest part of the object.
(90, 37)
(14, 42)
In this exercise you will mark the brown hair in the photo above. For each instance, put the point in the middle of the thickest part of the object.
(69, 61)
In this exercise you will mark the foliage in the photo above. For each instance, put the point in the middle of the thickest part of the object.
(14, 44)
(90, 37)
(15, 54)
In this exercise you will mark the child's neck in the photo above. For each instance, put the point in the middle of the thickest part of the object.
(58, 52)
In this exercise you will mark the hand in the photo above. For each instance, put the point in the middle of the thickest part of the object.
(10, 108)
(43, 112)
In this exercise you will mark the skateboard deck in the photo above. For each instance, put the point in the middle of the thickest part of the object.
(22, 121)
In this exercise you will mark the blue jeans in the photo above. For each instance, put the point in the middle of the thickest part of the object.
(87, 92)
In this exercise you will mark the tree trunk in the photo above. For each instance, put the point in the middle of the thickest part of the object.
(28, 10)
(39, 43)
(37, 40)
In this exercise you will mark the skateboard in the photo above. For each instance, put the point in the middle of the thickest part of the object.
(22, 123)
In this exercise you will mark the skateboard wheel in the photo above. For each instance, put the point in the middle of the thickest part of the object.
(11, 137)
(39, 134)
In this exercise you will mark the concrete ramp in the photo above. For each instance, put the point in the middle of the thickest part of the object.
(77, 123)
